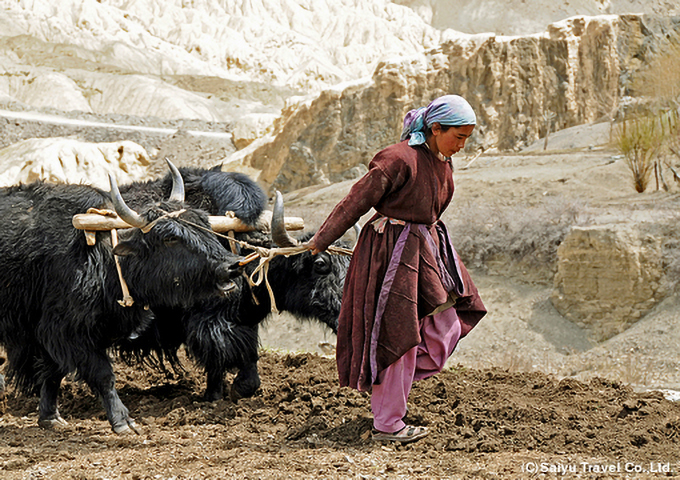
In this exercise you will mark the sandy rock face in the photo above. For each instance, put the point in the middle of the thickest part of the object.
(519, 17)
(574, 70)
(608, 276)
(62, 160)
(302, 44)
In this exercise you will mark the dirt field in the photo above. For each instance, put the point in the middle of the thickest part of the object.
(527, 394)
(485, 424)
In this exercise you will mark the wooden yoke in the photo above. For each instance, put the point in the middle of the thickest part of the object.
(105, 220)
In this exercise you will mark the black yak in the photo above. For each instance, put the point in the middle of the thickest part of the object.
(60, 310)
(222, 334)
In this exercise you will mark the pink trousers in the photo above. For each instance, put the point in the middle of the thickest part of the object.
(439, 335)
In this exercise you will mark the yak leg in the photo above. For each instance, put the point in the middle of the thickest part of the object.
(245, 384)
(99, 376)
(48, 410)
(234, 347)
(214, 385)
(218, 345)
(247, 381)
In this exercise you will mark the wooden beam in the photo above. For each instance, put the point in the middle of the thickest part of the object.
(93, 221)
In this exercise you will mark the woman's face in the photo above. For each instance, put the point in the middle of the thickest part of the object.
(452, 140)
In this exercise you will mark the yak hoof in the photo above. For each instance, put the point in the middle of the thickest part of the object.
(212, 396)
(127, 429)
(52, 423)
(244, 389)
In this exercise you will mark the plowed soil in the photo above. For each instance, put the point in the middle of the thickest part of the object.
(486, 421)
(485, 424)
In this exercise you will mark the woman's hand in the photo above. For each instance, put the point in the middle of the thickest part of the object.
(311, 246)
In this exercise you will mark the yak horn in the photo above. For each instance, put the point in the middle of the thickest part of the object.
(177, 193)
(278, 226)
(123, 211)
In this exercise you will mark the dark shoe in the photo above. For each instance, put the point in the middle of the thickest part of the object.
(407, 434)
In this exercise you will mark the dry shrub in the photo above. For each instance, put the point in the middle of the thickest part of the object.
(639, 140)
(660, 79)
(656, 131)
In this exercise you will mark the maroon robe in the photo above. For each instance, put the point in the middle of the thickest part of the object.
(387, 293)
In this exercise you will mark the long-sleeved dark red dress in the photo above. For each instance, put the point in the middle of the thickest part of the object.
(403, 266)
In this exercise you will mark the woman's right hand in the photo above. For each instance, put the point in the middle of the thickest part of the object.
(312, 246)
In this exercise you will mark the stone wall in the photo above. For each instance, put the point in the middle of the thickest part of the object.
(608, 276)
(577, 69)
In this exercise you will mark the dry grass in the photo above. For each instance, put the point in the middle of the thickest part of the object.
(660, 80)
(633, 369)
(670, 235)
(639, 140)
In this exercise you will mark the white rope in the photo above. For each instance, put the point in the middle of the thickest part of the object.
(266, 255)
(127, 300)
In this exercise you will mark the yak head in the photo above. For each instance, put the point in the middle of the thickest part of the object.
(306, 285)
(172, 257)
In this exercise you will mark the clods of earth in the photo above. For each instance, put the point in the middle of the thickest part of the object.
(489, 423)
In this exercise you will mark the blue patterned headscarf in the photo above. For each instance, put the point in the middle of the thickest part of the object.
(451, 110)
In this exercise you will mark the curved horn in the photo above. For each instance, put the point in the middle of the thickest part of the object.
(278, 227)
(177, 193)
(123, 211)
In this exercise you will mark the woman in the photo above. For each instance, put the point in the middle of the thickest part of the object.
(407, 298)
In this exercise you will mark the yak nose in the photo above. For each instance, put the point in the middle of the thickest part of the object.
(226, 273)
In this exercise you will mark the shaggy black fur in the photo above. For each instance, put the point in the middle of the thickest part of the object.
(59, 312)
(222, 334)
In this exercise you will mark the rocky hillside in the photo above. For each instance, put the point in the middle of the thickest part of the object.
(521, 17)
(576, 72)
(230, 65)
(133, 57)
(310, 90)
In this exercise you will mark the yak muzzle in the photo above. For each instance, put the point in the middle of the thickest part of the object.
(226, 273)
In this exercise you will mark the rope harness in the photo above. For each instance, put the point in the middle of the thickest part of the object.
(260, 273)
(266, 255)
(147, 228)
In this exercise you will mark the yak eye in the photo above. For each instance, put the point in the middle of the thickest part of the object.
(322, 265)
(171, 240)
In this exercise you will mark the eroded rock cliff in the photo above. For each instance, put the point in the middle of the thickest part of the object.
(608, 277)
(577, 70)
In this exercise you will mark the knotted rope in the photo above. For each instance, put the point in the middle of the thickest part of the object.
(127, 300)
(266, 255)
